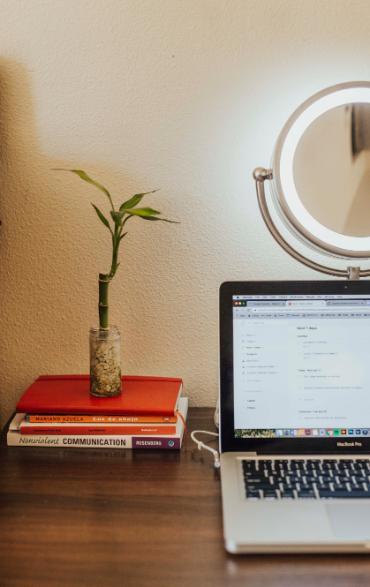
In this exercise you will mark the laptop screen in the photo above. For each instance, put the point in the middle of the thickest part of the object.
(301, 366)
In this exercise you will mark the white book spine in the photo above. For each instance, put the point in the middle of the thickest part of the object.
(68, 441)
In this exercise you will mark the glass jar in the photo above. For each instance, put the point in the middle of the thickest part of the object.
(105, 362)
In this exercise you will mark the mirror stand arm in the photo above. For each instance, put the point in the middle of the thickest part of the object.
(260, 175)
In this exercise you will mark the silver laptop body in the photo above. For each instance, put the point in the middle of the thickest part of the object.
(295, 416)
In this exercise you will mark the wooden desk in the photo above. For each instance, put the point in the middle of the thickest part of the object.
(85, 517)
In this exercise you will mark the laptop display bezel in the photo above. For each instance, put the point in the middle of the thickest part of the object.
(228, 442)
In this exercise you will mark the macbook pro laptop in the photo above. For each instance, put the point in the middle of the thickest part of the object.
(295, 416)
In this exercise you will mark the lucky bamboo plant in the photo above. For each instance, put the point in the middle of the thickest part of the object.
(105, 367)
(116, 224)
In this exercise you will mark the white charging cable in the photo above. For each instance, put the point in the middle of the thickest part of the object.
(201, 445)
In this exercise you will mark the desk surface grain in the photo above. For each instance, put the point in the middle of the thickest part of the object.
(94, 517)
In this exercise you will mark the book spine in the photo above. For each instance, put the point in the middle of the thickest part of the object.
(114, 429)
(66, 419)
(155, 442)
(83, 441)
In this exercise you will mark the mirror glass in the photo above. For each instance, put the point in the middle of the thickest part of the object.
(331, 169)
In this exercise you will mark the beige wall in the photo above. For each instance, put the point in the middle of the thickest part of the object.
(183, 95)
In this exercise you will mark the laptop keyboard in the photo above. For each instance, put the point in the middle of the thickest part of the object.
(272, 479)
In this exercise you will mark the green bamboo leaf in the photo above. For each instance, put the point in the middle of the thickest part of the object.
(143, 212)
(135, 200)
(131, 203)
(160, 219)
(83, 175)
(101, 216)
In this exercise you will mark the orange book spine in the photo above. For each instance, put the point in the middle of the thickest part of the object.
(112, 430)
(82, 419)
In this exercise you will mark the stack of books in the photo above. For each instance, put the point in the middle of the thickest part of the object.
(58, 411)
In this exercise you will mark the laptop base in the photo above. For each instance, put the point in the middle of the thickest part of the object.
(292, 526)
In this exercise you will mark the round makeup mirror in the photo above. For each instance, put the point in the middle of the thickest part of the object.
(320, 178)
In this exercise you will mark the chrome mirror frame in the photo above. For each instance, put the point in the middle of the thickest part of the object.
(286, 198)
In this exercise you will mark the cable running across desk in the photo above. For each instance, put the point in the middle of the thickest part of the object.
(202, 445)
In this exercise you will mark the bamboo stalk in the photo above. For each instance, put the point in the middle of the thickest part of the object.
(104, 281)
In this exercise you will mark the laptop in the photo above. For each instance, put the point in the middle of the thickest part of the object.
(295, 416)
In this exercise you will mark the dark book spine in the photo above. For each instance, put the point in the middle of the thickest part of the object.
(155, 442)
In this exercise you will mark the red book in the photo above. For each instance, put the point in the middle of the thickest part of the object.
(69, 394)
(87, 429)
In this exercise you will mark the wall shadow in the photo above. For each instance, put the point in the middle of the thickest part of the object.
(48, 267)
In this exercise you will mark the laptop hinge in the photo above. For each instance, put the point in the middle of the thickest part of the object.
(249, 454)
